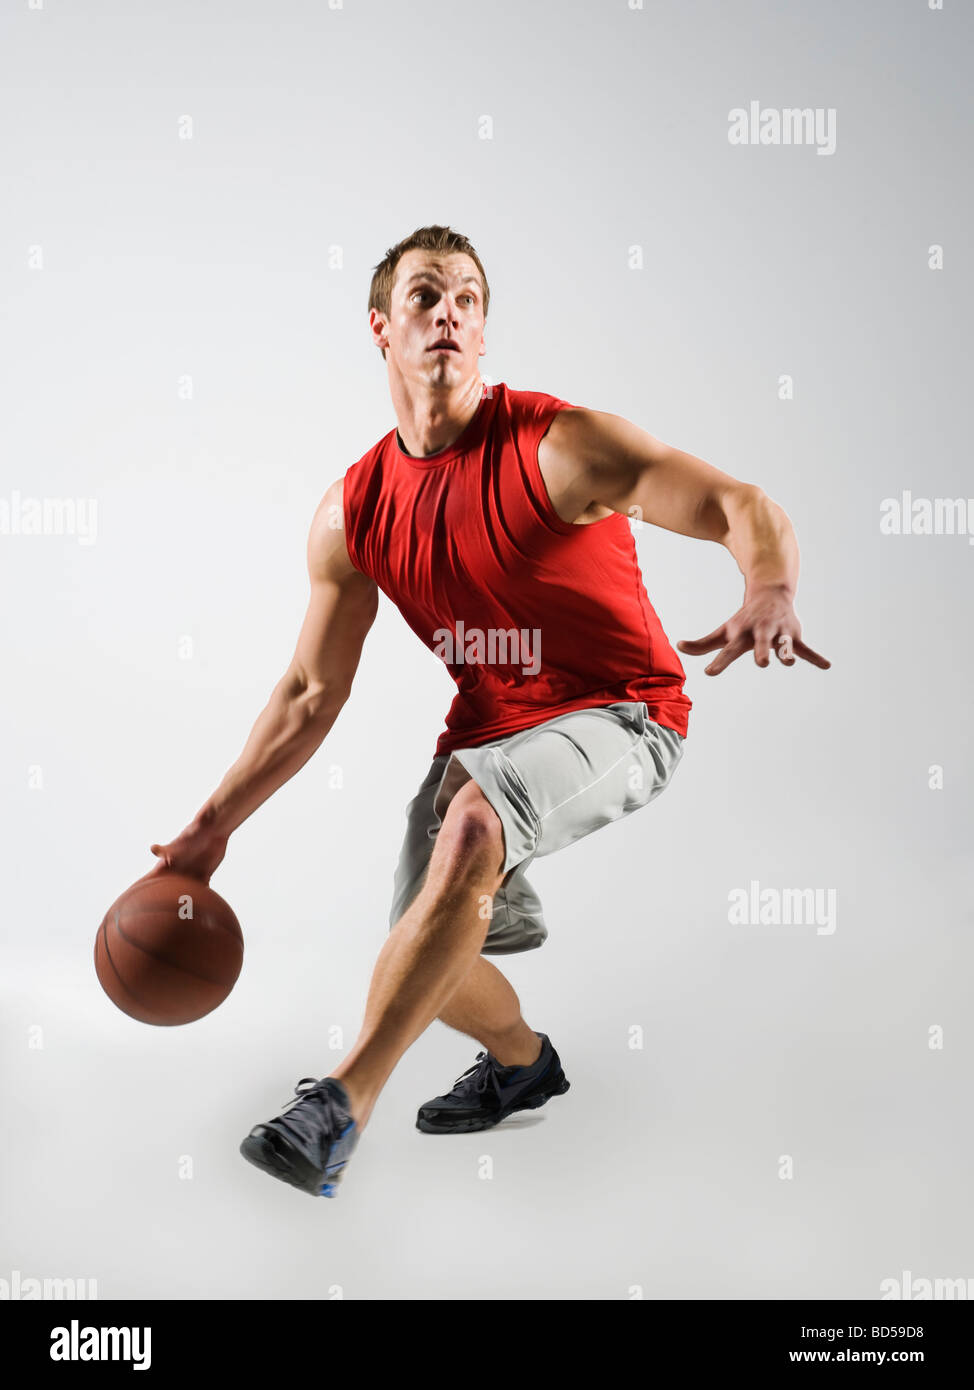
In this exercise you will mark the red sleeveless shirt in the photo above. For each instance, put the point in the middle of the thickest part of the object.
(534, 616)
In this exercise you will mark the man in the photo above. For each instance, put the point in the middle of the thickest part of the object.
(498, 522)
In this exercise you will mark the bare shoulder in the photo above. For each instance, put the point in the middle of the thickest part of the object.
(581, 437)
(328, 558)
(566, 453)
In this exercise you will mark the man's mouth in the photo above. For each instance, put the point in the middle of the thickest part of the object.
(445, 345)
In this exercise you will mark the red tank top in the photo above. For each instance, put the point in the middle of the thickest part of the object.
(534, 616)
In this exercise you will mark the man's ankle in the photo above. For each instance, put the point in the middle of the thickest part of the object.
(522, 1051)
(359, 1105)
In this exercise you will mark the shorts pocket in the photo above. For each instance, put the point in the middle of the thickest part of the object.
(635, 713)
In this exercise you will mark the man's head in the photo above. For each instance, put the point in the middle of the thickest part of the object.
(430, 287)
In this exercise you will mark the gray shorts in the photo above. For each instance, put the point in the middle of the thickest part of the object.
(550, 785)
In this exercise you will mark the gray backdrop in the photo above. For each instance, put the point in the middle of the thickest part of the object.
(194, 198)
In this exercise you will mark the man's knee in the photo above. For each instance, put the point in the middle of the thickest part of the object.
(471, 834)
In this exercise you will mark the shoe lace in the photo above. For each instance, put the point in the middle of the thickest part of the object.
(478, 1078)
(310, 1112)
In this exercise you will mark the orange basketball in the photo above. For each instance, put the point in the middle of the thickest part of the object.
(169, 950)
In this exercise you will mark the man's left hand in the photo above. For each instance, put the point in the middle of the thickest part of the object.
(766, 621)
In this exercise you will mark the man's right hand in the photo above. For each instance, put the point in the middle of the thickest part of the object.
(196, 852)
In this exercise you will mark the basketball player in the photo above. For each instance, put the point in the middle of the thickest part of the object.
(497, 520)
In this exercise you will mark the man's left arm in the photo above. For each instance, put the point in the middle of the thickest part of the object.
(610, 461)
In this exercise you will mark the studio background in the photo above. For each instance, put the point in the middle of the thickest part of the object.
(209, 187)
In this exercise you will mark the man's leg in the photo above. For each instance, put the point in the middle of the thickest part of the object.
(432, 948)
(485, 1007)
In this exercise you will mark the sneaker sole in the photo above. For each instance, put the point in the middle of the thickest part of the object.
(273, 1154)
(473, 1125)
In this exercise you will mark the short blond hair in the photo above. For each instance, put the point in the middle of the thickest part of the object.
(443, 240)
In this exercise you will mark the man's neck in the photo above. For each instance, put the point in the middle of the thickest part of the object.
(431, 422)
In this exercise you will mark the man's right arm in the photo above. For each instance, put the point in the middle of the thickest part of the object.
(304, 704)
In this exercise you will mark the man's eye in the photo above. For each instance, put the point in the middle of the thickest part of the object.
(472, 298)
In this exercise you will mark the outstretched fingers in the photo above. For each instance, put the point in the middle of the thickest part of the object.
(806, 653)
(697, 646)
(763, 639)
(730, 653)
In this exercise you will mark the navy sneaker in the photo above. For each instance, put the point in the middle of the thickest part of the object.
(487, 1093)
(310, 1143)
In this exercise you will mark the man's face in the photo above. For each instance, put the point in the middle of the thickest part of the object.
(435, 297)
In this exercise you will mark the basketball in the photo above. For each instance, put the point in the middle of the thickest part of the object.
(169, 950)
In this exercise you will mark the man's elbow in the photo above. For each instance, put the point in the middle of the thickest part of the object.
(321, 702)
(736, 503)
(317, 701)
